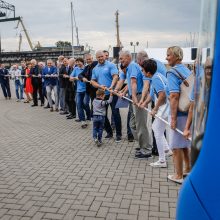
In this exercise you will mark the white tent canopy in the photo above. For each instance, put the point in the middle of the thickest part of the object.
(160, 54)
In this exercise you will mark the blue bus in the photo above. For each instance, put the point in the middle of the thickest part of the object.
(199, 197)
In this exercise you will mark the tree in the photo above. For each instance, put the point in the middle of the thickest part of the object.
(61, 44)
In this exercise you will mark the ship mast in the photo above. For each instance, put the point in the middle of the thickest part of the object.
(117, 30)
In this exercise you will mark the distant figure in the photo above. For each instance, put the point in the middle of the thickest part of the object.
(16, 75)
(35, 73)
(28, 88)
(86, 76)
(106, 54)
(4, 81)
(63, 70)
(70, 91)
(99, 113)
(50, 79)
(82, 98)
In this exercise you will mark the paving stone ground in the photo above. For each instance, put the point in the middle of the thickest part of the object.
(50, 169)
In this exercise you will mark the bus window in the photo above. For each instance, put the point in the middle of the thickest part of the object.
(203, 73)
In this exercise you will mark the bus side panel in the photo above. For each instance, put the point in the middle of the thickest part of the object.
(205, 176)
(189, 206)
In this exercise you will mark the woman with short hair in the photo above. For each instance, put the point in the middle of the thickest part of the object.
(179, 145)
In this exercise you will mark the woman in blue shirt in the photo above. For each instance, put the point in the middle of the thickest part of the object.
(179, 145)
(82, 98)
(158, 93)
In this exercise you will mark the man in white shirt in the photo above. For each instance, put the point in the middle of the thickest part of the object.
(16, 75)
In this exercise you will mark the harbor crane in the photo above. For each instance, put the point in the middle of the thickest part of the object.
(5, 9)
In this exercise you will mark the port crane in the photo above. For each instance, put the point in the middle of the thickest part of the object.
(5, 9)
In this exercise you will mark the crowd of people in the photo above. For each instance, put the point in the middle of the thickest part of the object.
(83, 89)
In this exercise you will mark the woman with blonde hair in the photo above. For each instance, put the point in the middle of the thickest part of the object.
(179, 145)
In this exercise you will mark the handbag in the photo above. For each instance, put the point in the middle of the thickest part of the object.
(164, 109)
(185, 89)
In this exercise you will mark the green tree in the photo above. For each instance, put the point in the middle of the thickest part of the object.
(61, 44)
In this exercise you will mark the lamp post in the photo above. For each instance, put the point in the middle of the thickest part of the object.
(134, 45)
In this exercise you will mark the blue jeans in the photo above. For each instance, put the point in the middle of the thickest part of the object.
(82, 103)
(98, 125)
(18, 86)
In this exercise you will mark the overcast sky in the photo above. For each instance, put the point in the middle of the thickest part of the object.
(160, 23)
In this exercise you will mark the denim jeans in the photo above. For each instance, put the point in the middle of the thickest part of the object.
(82, 103)
(18, 86)
(116, 115)
(98, 125)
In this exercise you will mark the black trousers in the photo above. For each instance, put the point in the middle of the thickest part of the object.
(116, 116)
(6, 89)
(70, 100)
(37, 88)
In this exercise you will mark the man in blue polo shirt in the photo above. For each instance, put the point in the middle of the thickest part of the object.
(134, 78)
(105, 75)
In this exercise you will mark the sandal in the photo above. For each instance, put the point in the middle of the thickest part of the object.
(173, 179)
(185, 174)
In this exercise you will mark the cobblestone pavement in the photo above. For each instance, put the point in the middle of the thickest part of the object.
(50, 169)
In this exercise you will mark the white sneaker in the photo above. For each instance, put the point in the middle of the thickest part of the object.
(96, 141)
(83, 125)
(168, 153)
(99, 143)
(159, 164)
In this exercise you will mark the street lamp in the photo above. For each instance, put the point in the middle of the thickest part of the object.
(134, 45)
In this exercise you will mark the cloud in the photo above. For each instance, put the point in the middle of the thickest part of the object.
(158, 22)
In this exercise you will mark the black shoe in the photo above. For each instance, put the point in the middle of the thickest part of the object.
(143, 155)
(33, 105)
(118, 139)
(155, 151)
(108, 136)
(130, 138)
(46, 106)
(70, 117)
(137, 148)
(64, 113)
